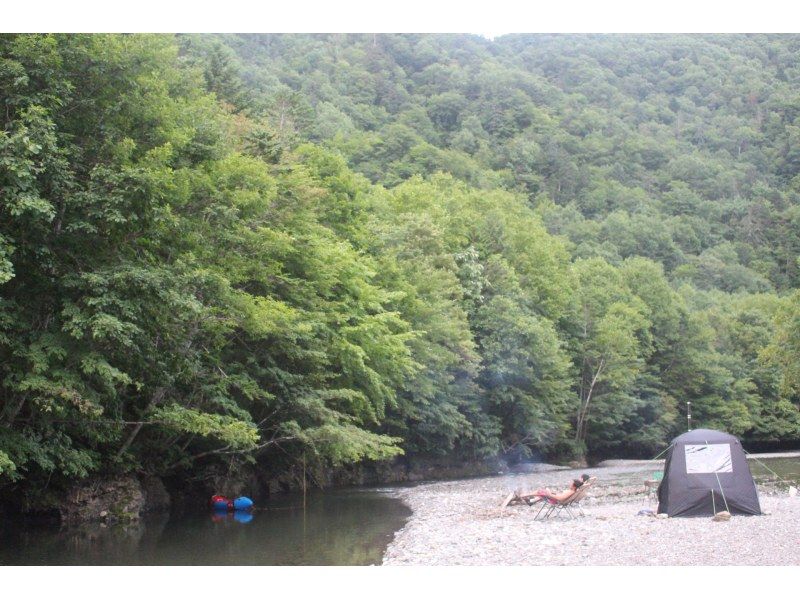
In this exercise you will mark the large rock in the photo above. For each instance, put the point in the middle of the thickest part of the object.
(722, 516)
(156, 497)
(117, 500)
(219, 479)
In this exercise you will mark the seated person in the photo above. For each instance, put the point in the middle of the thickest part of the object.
(547, 493)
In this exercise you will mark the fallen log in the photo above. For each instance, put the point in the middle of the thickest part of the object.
(511, 498)
(518, 498)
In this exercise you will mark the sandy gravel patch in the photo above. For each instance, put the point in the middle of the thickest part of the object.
(460, 523)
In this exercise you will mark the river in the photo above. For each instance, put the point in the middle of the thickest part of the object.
(767, 472)
(350, 527)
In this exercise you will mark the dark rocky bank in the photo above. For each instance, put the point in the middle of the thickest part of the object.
(123, 499)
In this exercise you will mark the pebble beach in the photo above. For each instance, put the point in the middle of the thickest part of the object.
(461, 523)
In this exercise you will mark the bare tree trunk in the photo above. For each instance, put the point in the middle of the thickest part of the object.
(62, 206)
(12, 415)
(157, 396)
(581, 423)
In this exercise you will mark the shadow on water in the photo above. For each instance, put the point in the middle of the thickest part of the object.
(336, 528)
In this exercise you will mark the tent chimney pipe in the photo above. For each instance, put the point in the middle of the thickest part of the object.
(689, 415)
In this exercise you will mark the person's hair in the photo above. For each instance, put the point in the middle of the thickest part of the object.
(578, 483)
(585, 477)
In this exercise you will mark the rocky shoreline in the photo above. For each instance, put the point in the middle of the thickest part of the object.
(461, 523)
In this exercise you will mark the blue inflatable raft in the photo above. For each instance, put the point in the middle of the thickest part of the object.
(222, 503)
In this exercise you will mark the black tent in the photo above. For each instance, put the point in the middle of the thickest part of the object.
(706, 472)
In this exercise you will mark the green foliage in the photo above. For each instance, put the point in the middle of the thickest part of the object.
(7, 466)
(233, 432)
(236, 251)
(783, 349)
(167, 299)
(348, 444)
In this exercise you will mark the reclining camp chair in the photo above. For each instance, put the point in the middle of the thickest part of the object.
(533, 499)
(553, 505)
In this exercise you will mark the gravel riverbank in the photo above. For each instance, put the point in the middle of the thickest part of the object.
(461, 523)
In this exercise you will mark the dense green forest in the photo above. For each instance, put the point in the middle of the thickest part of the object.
(220, 252)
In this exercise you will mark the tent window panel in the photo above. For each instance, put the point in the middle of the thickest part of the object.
(708, 458)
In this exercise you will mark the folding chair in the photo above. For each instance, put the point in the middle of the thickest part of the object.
(553, 505)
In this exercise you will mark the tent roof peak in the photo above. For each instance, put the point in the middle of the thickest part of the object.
(703, 435)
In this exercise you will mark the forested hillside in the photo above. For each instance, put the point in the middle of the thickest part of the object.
(227, 252)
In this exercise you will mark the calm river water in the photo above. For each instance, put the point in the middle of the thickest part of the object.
(778, 472)
(336, 528)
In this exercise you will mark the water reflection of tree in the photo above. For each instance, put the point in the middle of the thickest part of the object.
(335, 529)
(86, 544)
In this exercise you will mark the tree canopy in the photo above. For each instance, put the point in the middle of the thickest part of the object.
(227, 251)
